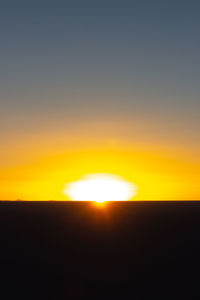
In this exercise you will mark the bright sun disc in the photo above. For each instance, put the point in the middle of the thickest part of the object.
(100, 188)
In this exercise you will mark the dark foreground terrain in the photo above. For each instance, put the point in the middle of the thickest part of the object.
(73, 250)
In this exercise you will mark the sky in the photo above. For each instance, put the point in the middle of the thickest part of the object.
(99, 86)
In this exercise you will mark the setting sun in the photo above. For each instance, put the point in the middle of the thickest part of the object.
(100, 188)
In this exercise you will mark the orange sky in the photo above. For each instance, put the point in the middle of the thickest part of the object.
(39, 169)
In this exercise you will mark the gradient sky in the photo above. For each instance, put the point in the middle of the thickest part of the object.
(99, 86)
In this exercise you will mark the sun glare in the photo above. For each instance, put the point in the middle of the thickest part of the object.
(100, 188)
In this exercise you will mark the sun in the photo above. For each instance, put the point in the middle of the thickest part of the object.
(100, 188)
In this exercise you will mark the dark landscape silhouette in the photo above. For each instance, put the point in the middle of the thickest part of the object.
(77, 250)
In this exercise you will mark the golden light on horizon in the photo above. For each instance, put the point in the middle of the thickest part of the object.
(100, 188)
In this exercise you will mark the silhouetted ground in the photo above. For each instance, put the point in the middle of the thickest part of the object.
(73, 250)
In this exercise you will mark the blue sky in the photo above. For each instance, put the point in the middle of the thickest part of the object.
(74, 61)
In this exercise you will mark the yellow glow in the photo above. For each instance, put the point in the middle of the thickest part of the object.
(100, 188)
(159, 175)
